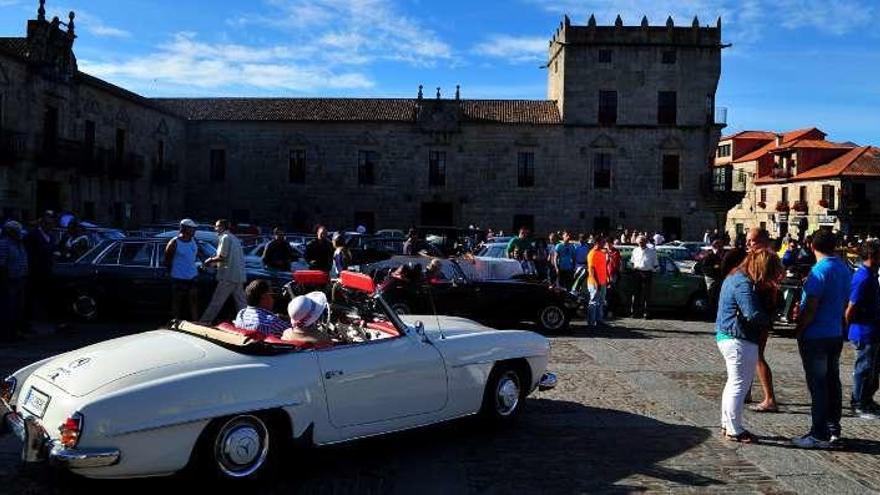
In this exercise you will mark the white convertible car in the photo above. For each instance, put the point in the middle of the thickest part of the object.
(230, 401)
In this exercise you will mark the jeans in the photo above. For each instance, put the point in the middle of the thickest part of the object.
(12, 306)
(821, 360)
(740, 359)
(224, 290)
(866, 371)
(596, 306)
(641, 292)
(566, 278)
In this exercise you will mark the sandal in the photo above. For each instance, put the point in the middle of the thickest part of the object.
(744, 437)
(761, 408)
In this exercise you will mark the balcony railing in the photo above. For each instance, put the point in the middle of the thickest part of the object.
(780, 173)
(13, 147)
(163, 174)
(128, 166)
(58, 152)
(720, 117)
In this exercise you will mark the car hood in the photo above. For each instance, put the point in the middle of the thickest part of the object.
(85, 370)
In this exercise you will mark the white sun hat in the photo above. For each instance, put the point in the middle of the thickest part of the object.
(188, 222)
(305, 310)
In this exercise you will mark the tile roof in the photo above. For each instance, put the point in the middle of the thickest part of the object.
(354, 109)
(750, 135)
(17, 47)
(758, 153)
(812, 144)
(863, 161)
(763, 150)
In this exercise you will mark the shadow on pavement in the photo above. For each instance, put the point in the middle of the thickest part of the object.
(853, 445)
(555, 447)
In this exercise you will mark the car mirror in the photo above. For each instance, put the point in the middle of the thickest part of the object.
(419, 328)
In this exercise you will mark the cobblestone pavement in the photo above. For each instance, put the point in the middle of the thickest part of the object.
(636, 410)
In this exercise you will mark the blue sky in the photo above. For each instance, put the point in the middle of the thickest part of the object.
(794, 63)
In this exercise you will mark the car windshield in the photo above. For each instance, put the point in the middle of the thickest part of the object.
(676, 254)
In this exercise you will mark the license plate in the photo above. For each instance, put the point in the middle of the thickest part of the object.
(36, 402)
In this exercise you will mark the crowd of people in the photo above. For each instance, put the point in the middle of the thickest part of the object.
(27, 258)
(835, 306)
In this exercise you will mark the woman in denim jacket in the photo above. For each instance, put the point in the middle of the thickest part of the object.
(738, 328)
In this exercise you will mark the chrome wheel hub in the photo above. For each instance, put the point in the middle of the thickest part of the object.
(242, 446)
(507, 396)
(552, 317)
(85, 306)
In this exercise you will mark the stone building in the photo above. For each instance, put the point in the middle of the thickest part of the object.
(71, 141)
(624, 138)
(797, 182)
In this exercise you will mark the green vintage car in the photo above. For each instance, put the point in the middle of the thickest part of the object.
(672, 289)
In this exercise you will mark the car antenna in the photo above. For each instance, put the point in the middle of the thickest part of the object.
(436, 316)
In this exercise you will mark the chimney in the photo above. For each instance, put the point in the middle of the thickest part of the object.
(778, 140)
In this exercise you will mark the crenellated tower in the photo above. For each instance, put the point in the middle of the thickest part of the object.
(637, 63)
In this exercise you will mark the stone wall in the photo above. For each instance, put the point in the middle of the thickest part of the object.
(481, 184)
(139, 198)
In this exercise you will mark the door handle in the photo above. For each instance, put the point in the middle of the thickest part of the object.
(330, 374)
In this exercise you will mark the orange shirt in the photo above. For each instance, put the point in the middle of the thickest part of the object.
(597, 261)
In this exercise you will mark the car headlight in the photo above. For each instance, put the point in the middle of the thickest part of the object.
(7, 389)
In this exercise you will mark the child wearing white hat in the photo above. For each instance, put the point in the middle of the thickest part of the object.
(305, 311)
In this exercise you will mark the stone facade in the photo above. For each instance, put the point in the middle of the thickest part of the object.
(547, 164)
(116, 176)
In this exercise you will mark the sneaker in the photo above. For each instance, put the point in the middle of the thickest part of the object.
(865, 413)
(810, 442)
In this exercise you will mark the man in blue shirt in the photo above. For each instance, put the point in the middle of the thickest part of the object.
(564, 261)
(863, 319)
(820, 339)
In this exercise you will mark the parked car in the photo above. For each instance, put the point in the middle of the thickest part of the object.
(680, 255)
(253, 257)
(693, 247)
(230, 402)
(671, 289)
(493, 250)
(127, 276)
(501, 302)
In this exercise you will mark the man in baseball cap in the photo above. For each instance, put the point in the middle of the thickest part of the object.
(305, 312)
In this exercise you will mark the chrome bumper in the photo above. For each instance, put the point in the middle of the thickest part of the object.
(547, 382)
(37, 447)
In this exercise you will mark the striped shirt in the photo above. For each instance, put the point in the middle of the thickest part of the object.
(13, 258)
(266, 322)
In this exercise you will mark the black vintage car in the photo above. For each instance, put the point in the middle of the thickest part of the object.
(461, 291)
(126, 276)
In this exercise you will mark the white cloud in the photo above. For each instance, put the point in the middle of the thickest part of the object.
(185, 62)
(513, 49)
(354, 31)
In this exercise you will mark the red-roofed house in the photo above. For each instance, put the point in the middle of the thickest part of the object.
(800, 182)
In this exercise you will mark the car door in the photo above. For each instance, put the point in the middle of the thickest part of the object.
(380, 381)
(668, 285)
(128, 275)
(454, 295)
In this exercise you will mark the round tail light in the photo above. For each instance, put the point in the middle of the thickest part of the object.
(71, 430)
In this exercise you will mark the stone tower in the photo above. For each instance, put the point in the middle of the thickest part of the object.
(637, 63)
(50, 45)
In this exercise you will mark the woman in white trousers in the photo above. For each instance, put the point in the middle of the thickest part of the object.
(737, 331)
